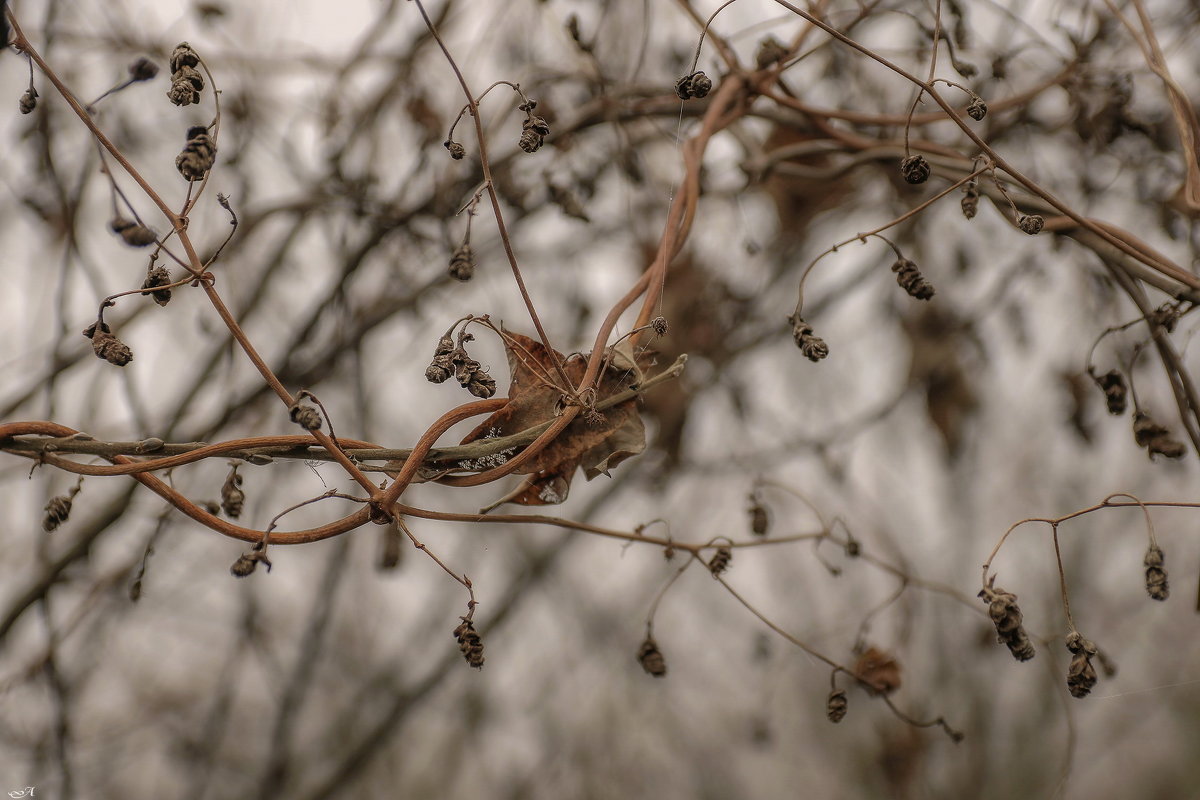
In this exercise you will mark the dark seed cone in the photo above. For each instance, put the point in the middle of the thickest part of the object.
(198, 154)
(247, 562)
(720, 561)
(970, 201)
(442, 366)
(1081, 675)
(651, 659)
(481, 384)
(813, 347)
(1031, 223)
(111, 349)
(462, 263)
(695, 85)
(155, 278)
(1155, 438)
(143, 70)
(836, 705)
(132, 233)
(457, 151)
(911, 280)
(186, 80)
(305, 416)
(469, 643)
(530, 142)
(659, 326)
(28, 101)
(915, 169)
(1156, 573)
(760, 520)
(1006, 616)
(57, 512)
(978, 109)
(232, 497)
(1116, 393)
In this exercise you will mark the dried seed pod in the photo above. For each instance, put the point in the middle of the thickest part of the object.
(977, 109)
(911, 279)
(1081, 675)
(457, 151)
(462, 263)
(469, 643)
(659, 326)
(464, 370)
(143, 70)
(720, 560)
(1006, 616)
(651, 659)
(198, 154)
(155, 278)
(110, 348)
(1031, 223)
(183, 56)
(28, 101)
(915, 169)
(1155, 438)
(836, 705)
(132, 233)
(305, 416)
(1112, 383)
(443, 361)
(695, 85)
(186, 80)
(481, 384)
(813, 347)
(970, 201)
(529, 141)
(58, 510)
(760, 519)
(1156, 573)
(232, 496)
(247, 562)
(536, 124)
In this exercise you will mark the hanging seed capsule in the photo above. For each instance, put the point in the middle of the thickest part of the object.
(1031, 223)
(915, 169)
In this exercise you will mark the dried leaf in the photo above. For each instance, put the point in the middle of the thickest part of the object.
(597, 446)
(879, 670)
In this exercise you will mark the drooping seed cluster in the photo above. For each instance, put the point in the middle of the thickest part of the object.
(28, 101)
(836, 706)
(1156, 438)
(812, 346)
(158, 277)
(247, 562)
(970, 200)
(911, 280)
(198, 154)
(534, 129)
(760, 518)
(696, 85)
(108, 346)
(305, 416)
(1156, 573)
(1116, 393)
(462, 263)
(132, 233)
(915, 169)
(58, 509)
(186, 80)
(1006, 616)
(232, 497)
(470, 643)
(451, 359)
(651, 658)
(1081, 675)
(720, 560)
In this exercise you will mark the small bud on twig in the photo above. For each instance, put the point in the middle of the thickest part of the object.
(651, 659)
